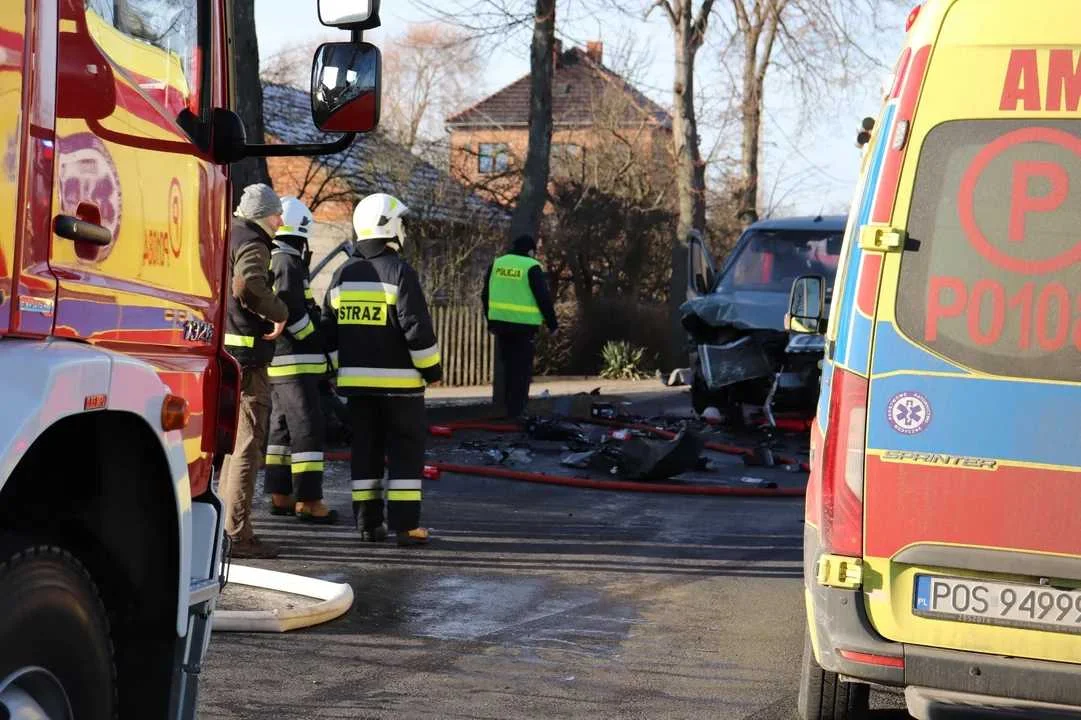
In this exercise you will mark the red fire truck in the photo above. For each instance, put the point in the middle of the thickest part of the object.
(117, 400)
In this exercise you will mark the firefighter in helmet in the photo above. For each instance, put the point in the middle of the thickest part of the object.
(294, 460)
(379, 331)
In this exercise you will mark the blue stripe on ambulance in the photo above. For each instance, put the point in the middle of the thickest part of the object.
(893, 352)
(1007, 419)
(852, 338)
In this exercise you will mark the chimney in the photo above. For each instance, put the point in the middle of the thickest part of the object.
(595, 51)
(557, 52)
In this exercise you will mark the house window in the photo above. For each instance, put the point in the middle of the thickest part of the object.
(567, 158)
(567, 152)
(492, 158)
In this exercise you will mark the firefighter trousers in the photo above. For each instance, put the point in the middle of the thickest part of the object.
(389, 434)
(294, 458)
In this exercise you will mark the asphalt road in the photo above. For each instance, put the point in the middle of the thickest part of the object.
(540, 602)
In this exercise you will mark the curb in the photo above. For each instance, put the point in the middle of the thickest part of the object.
(336, 599)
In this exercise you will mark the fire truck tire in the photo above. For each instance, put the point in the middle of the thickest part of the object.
(823, 696)
(55, 647)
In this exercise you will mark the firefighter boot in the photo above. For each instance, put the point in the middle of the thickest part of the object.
(316, 512)
(414, 537)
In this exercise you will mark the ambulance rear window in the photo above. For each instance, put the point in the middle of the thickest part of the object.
(991, 275)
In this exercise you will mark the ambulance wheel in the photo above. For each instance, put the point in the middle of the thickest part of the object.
(822, 695)
(56, 658)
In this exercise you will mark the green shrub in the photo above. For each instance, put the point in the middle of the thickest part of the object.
(622, 361)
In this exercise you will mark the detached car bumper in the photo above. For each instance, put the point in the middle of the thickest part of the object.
(937, 679)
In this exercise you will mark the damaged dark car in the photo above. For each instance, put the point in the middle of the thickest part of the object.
(741, 355)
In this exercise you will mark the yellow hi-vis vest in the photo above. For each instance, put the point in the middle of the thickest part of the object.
(510, 299)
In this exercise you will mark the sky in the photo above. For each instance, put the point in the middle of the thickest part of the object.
(810, 164)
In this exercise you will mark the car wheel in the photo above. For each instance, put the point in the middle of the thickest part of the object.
(823, 696)
(56, 657)
(699, 396)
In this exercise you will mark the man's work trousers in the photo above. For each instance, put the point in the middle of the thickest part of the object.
(294, 456)
(388, 455)
(237, 484)
(515, 352)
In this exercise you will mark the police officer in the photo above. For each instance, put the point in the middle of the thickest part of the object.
(295, 451)
(516, 302)
(380, 335)
(255, 318)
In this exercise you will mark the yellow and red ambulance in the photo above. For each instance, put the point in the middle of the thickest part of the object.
(943, 513)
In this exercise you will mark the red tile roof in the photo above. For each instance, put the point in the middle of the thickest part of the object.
(578, 86)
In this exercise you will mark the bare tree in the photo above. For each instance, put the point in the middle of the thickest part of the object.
(689, 21)
(534, 194)
(814, 44)
(249, 97)
(428, 71)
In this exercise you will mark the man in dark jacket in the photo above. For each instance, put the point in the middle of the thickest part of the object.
(516, 302)
(255, 317)
(294, 460)
(377, 326)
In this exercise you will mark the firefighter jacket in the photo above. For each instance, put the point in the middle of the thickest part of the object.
(252, 305)
(299, 350)
(377, 326)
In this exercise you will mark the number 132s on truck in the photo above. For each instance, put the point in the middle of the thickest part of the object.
(118, 401)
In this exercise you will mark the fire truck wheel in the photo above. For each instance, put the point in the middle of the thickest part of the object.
(56, 658)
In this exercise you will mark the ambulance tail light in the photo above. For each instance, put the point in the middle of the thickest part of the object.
(841, 518)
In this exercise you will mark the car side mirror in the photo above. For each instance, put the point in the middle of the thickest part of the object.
(807, 305)
(346, 87)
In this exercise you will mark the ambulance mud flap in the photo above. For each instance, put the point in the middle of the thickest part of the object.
(841, 623)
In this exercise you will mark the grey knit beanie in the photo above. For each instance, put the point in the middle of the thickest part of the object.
(258, 201)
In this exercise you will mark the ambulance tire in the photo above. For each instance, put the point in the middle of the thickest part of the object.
(822, 695)
(55, 647)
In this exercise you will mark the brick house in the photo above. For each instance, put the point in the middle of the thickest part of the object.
(591, 105)
(444, 216)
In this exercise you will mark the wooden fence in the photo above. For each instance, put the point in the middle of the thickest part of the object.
(468, 349)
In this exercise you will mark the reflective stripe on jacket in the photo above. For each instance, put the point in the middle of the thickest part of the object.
(379, 331)
(510, 299)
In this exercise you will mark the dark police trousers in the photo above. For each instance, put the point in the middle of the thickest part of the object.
(515, 351)
(389, 434)
(294, 459)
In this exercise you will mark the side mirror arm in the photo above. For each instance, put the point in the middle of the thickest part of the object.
(300, 149)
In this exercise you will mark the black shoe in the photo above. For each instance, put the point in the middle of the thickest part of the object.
(331, 518)
(279, 511)
(374, 534)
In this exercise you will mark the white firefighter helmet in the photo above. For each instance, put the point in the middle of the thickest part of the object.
(379, 216)
(297, 219)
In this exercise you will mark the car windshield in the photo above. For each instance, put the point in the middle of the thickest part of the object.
(769, 260)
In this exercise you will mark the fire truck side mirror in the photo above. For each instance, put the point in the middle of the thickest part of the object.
(346, 79)
(349, 14)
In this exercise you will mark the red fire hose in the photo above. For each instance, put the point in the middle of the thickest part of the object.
(447, 430)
